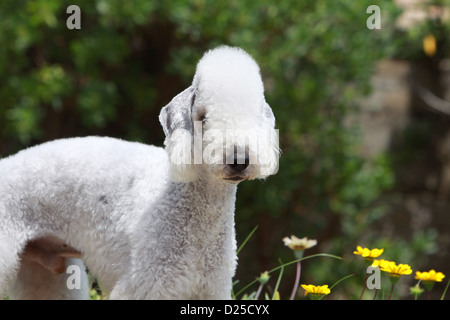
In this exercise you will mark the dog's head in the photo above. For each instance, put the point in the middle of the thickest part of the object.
(221, 124)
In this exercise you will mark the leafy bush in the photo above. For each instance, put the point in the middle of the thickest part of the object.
(130, 57)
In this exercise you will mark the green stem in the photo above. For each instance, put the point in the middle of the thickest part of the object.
(297, 281)
(278, 282)
(375, 294)
(445, 291)
(287, 264)
(246, 239)
(417, 291)
(364, 287)
(337, 282)
(390, 293)
(259, 291)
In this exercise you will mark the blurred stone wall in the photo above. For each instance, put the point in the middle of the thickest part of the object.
(396, 119)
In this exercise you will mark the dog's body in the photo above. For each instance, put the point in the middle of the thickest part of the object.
(122, 224)
(145, 225)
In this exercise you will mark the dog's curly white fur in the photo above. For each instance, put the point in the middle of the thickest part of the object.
(145, 224)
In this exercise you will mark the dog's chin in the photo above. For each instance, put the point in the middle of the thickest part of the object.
(235, 179)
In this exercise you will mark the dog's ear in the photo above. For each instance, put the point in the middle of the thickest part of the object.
(177, 123)
(268, 114)
(269, 150)
(177, 114)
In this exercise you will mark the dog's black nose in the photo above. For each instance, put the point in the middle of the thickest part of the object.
(240, 164)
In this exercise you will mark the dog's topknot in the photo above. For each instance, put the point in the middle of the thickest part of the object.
(228, 74)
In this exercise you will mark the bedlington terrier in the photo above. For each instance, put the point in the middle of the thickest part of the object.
(148, 222)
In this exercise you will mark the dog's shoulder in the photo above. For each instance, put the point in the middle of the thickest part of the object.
(84, 155)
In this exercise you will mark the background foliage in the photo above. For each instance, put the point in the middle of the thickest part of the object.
(131, 57)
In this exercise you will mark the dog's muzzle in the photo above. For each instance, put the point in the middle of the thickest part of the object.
(238, 170)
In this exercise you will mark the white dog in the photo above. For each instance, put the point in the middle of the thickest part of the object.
(149, 223)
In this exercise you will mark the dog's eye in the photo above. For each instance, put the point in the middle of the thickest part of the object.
(201, 117)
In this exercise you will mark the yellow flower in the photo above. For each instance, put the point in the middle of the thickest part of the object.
(380, 263)
(299, 244)
(429, 45)
(367, 253)
(430, 276)
(316, 290)
(396, 270)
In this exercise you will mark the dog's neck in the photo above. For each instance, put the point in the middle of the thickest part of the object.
(194, 222)
(204, 205)
(208, 194)
(215, 191)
